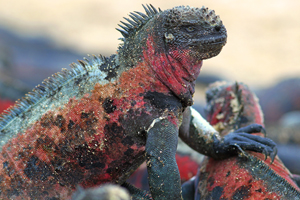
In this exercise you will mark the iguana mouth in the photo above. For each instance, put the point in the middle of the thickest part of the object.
(210, 45)
(218, 42)
(208, 41)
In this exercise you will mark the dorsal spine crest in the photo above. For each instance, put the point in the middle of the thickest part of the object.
(137, 20)
(50, 85)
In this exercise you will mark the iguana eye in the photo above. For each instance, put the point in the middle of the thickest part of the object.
(190, 29)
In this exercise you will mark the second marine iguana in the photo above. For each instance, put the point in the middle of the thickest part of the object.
(247, 175)
(97, 122)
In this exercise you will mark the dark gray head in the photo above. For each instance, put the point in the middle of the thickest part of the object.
(197, 29)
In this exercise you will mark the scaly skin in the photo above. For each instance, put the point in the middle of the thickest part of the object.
(249, 175)
(187, 166)
(98, 122)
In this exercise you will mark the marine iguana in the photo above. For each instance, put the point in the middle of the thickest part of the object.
(97, 122)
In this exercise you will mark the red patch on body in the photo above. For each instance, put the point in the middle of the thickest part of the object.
(5, 104)
(187, 167)
(228, 175)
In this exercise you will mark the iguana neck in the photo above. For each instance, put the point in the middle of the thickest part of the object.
(130, 53)
(177, 70)
(174, 70)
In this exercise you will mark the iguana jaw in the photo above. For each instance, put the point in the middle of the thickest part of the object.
(210, 47)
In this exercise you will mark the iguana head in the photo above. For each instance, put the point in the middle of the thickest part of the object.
(173, 43)
(196, 30)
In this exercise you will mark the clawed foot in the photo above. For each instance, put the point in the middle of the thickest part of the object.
(241, 140)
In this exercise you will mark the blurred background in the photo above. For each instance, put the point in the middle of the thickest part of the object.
(263, 36)
(39, 37)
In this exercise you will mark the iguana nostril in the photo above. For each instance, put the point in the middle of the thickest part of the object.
(218, 28)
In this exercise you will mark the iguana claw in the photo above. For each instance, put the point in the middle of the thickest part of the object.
(242, 140)
(241, 151)
(273, 154)
(253, 128)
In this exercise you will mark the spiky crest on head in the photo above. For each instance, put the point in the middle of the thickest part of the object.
(186, 14)
(136, 20)
(173, 18)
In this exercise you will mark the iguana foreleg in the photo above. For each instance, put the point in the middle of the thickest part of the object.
(202, 137)
(163, 174)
